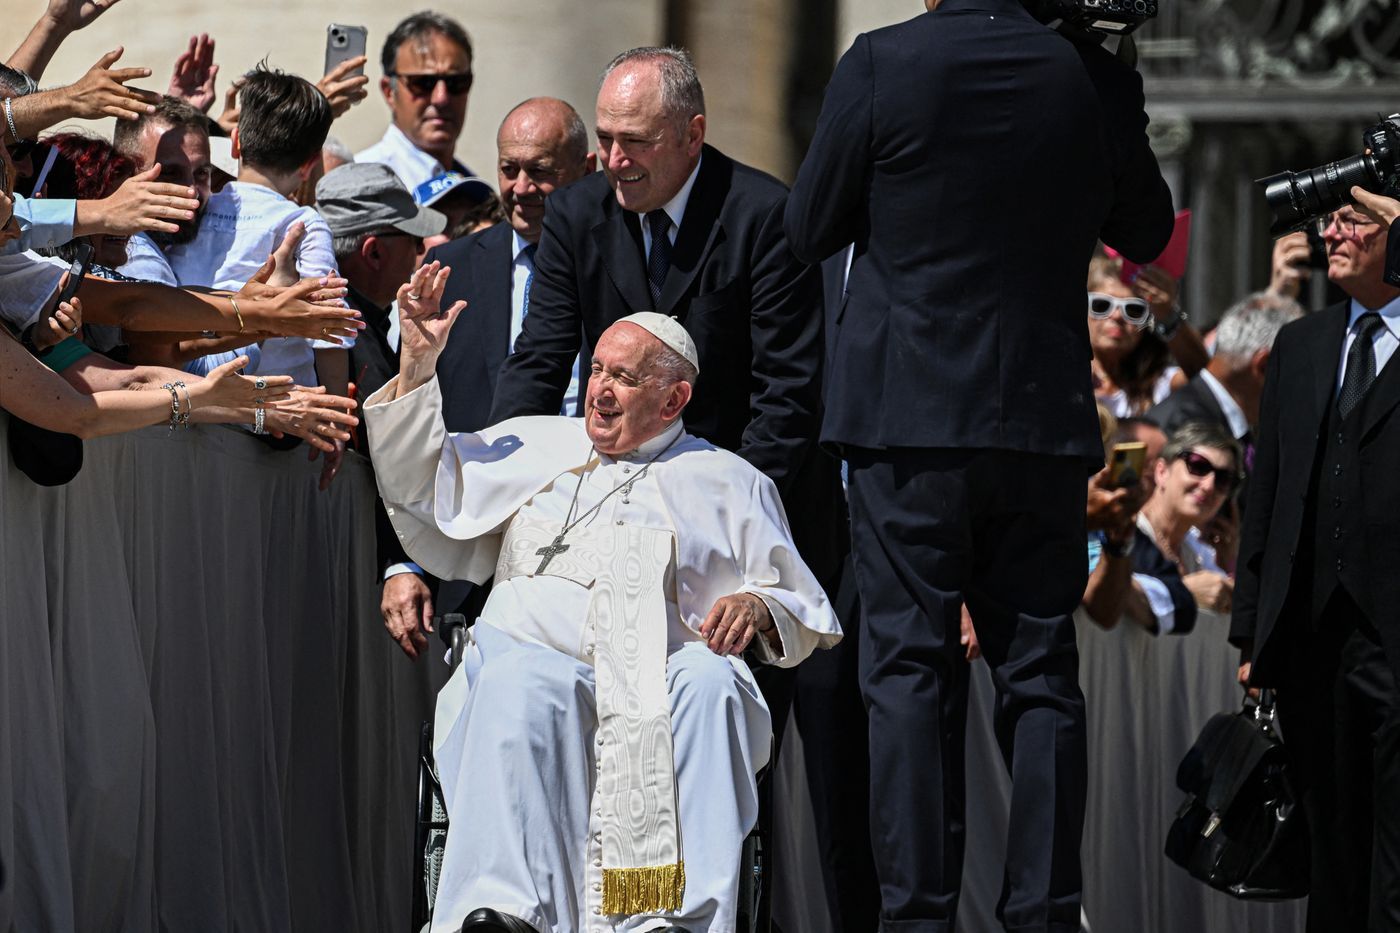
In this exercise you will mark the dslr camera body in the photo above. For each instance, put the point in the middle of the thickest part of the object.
(1097, 17)
(1299, 198)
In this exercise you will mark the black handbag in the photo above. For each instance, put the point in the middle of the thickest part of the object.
(1241, 829)
(49, 458)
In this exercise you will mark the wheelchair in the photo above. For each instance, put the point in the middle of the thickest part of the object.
(430, 835)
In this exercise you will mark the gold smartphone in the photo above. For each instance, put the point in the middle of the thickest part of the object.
(1126, 463)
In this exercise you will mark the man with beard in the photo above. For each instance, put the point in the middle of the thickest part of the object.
(176, 136)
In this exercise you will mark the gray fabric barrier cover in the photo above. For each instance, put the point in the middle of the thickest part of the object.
(203, 725)
(1147, 699)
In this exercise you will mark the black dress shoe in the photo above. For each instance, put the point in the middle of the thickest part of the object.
(486, 920)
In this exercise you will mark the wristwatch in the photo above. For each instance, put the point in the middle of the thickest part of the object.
(1117, 550)
(1166, 329)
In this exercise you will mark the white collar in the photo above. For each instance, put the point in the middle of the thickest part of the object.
(1234, 414)
(398, 140)
(650, 447)
(675, 208)
(518, 244)
(1389, 312)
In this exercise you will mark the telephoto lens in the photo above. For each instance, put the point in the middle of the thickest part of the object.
(1298, 198)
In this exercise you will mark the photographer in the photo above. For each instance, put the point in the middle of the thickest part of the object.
(967, 430)
(1384, 211)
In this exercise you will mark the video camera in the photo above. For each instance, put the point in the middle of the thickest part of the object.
(1110, 17)
(1298, 198)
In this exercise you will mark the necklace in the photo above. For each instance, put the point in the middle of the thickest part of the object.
(557, 546)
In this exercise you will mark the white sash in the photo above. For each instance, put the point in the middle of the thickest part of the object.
(624, 567)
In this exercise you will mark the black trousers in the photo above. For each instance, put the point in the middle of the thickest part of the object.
(831, 716)
(1004, 532)
(1340, 718)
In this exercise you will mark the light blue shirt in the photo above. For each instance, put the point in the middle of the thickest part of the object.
(44, 223)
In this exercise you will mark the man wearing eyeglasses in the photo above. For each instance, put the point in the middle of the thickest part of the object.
(427, 62)
(1316, 585)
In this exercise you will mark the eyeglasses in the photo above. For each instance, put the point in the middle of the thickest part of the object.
(1135, 311)
(1199, 466)
(424, 85)
(1348, 225)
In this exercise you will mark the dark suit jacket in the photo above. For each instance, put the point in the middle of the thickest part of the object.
(973, 156)
(1192, 402)
(753, 310)
(480, 340)
(476, 347)
(1298, 392)
(373, 363)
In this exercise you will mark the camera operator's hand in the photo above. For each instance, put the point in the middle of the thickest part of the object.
(1290, 264)
(1378, 207)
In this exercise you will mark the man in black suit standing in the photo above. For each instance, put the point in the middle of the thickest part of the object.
(674, 225)
(1316, 587)
(541, 146)
(973, 156)
(1227, 391)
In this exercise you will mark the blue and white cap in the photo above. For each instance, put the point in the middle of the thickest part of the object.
(438, 187)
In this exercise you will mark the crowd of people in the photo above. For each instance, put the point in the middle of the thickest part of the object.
(779, 427)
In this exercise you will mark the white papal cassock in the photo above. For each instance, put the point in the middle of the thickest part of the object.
(548, 769)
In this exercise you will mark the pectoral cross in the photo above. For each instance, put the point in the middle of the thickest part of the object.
(548, 552)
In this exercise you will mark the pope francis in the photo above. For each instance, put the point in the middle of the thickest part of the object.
(597, 747)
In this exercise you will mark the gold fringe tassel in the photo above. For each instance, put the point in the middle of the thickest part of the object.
(643, 890)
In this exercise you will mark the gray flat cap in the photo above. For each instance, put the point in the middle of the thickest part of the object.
(365, 197)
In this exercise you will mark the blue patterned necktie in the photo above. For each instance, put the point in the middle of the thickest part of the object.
(1361, 363)
(659, 262)
(527, 252)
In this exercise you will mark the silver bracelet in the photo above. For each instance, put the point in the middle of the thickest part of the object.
(174, 404)
(259, 421)
(189, 405)
(10, 119)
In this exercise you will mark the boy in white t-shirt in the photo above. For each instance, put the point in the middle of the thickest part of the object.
(282, 124)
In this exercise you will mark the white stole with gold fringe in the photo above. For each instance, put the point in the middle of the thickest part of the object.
(624, 567)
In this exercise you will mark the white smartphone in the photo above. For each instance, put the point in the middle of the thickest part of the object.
(344, 43)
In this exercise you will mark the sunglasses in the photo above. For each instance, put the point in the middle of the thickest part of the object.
(424, 85)
(1197, 465)
(1135, 311)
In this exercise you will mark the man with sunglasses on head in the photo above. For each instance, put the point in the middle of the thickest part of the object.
(1316, 585)
(427, 62)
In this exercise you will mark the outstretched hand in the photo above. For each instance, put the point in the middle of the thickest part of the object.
(102, 91)
(193, 78)
(73, 15)
(423, 325)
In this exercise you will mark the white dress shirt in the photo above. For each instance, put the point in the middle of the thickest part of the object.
(1385, 339)
(1234, 414)
(411, 164)
(674, 208)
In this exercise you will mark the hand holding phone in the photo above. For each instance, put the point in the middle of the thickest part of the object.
(1126, 463)
(342, 44)
(74, 277)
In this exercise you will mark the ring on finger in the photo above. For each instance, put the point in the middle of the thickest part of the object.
(415, 297)
(260, 383)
